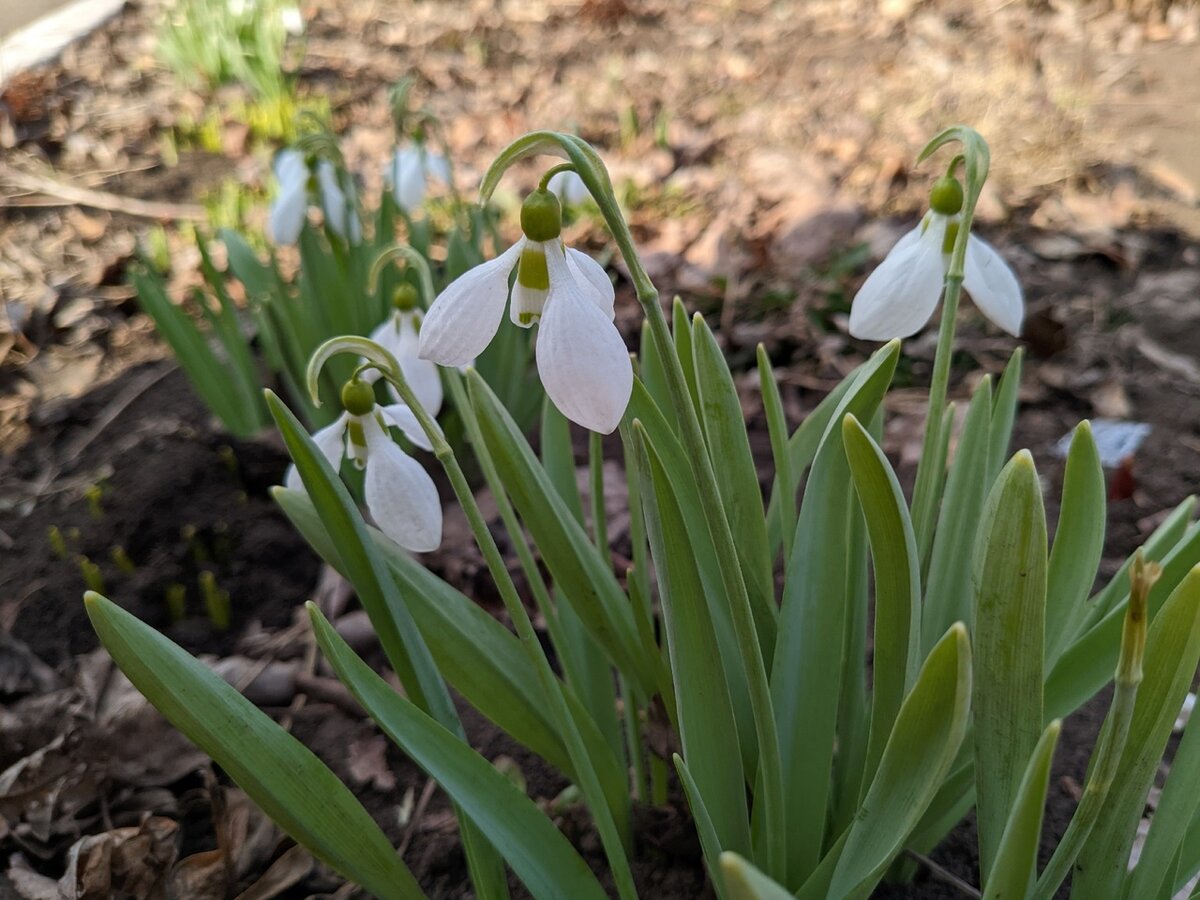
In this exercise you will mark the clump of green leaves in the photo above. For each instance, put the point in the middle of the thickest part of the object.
(808, 771)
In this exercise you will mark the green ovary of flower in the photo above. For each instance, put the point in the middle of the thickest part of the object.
(946, 196)
(358, 397)
(541, 216)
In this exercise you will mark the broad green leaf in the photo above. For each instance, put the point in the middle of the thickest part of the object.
(651, 371)
(802, 449)
(259, 279)
(585, 663)
(1078, 541)
(744, 882)
(537, 851)
(724, 427)
(1089, 662)
(784, 482)
(392, 620)
(1004, 413)
(1010, 611)
(280, 774)
(574, 562)
(707, 728)
(948, 586)
(1162, 540)
(710, 844)
(812, 623)
(662, 435)
(1177, 807)
(1172, 653)
(479, 656)
(897, 582)
(681, 332)
(204, 370)
(920, 750)
(1016, 861)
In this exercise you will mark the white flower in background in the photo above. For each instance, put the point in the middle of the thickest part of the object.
(400, 495)
(568, 187)
(900, 296)
(297, 188)
(581, 357)
(409, 173)
(399, 335)
(292, 20)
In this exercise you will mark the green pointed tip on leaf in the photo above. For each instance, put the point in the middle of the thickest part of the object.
(744, 882)
(280, 774)
(1016, 860)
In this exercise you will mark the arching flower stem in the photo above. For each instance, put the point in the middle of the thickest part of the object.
(927, 491)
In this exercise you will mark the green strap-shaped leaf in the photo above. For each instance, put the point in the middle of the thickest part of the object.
(897, 582)
(812, 623)
(710, 844)
(1172, 652)
(1162, 540)
(948, 590)
(1004, 413)
(537, 851)
(392, 620)
(1089, 662)
(707, 728)
(1010, 614)
(724, 427)
(802, 449)
(674, 459)
(479, 656)
(682, 333)
(280, 774)
(1078, 541)
(1016, 860)
(744, 882)
(573, 560)
(919, 753)
(1177, 807)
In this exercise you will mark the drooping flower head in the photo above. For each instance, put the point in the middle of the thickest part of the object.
(302, 182)
(581, 357)
(899, 297)
(399, 334)
(400, 495)
(409, 173)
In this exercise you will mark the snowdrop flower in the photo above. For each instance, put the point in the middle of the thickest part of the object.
(409, 174)
(581, 358)
(568, 187)
(292, 20)
(900, 296)
(400, 495)
(398, 334)
(297, 187)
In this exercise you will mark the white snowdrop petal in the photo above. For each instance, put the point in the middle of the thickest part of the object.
(408, 179)
(421, 374)
(406, 420)
(463, 319)
(581, 358)
(527, 305)
(437, 166)
(287, 216)
(569, 187)
(993, 286)
(400, 495)
(337, 205)
(898, 298)
(330, 440)
(290, 168)
(593, 275)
